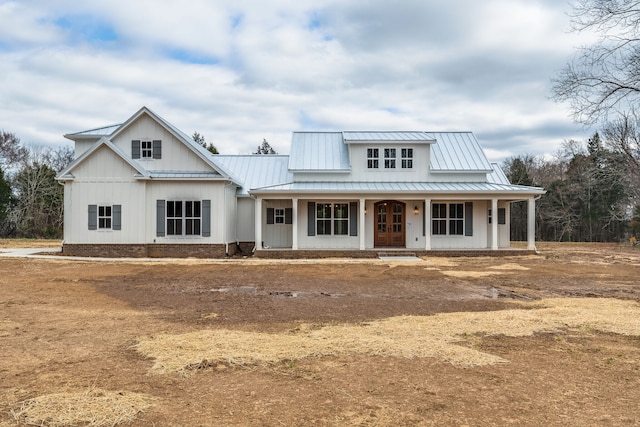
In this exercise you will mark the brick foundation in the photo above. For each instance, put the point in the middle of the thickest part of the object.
(147, 250)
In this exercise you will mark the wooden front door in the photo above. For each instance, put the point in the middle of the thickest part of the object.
(389, 225)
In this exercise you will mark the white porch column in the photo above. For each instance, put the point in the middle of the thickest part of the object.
(258, 224)
(361, 225)
(531, 224)
(427, 224)
(294, 223)
(494, 224)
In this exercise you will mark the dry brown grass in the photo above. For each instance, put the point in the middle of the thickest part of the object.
(437, 336)
(90, 408)
(29, 243)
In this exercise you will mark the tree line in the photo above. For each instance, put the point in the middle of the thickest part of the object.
(593, 187)
(31, 200)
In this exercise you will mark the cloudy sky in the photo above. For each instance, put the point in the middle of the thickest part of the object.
(238, 71)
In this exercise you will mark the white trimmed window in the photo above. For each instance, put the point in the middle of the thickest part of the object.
(146, 149)
(406, 155)
(447, 219)
(104, 217)
(372, 158)
(332, 219)
(183, 218)
(389, 158)
(278, 215)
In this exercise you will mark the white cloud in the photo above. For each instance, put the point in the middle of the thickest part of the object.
(240, 71)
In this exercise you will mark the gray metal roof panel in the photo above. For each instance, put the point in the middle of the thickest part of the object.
(497, 176)
(457, 152)
(398, 187)
(97, 132)
(318, 151)
(386, 136)
(257, 170)
(184, 175)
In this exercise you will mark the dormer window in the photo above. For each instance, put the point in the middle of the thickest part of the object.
(389, 158)
(407, 158)
(372, 158)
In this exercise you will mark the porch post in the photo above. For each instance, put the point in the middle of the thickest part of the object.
(258, 224)
(362, 226)
(531, 224)
(427, 224)
(294, 223)
(494, 224)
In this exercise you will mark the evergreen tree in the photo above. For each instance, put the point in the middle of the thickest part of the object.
(265, 148)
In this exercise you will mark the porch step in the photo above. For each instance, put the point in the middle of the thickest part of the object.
(398, 256)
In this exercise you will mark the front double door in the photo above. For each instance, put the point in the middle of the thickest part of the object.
(389, 223)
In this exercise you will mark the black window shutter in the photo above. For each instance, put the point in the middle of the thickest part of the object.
(93, 217)
(502, 216)
(206, 218)
(157, 149)
(353, 218)
(116, 224)
(270, 215)
(311, 219)
(135, 149)
(468, 219)
(288, 216)
(160, 212)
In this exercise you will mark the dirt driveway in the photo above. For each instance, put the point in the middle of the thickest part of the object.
(549, 339)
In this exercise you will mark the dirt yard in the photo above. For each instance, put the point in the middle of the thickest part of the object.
(552, 339)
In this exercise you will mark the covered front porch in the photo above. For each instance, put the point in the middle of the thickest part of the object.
(343, 223)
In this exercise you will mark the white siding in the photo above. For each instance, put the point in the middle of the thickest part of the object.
(246, 220)
(276, 235)
(360, 171)
(231, 216)
(321, 242)
(214, 191)
(114, 178)
(504, 230)
(479, 238)
(176, 156)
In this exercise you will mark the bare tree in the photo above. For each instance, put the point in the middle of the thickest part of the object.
(11, 152)
(603, 78)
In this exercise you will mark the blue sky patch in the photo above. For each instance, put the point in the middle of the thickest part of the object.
(87, 28)
(185, 56)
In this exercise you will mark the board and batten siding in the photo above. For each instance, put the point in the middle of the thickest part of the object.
(115, 177)
(184, 191)
(245, 223)
(176, 156)
(276, 235)
(418, 173)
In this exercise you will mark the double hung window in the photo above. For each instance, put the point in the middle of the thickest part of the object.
(372, 158)
(146, 149)
(332, 219)
(447, 219)
(406, 155)
(389, 158)
(183, 218)
(104, 217)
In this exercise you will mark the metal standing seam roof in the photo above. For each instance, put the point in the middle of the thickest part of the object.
(97, 132)
(387, 136)
(457, 151)
(319, 151)
(257, 170)
(398, 187)
(184, 175)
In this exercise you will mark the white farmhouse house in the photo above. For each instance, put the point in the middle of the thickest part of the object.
(144, 188)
